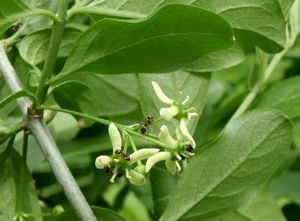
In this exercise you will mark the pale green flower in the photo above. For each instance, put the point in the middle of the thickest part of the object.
(176, 108)
(176, 151)
(119, 162)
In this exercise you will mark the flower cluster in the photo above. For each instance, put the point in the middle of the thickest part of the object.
(175, 150)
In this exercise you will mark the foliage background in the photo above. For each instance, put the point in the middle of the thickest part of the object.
(107, 84)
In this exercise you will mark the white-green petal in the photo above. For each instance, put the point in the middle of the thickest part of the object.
(102, 161)
(142, 154)
(115, 137)
(160, 94)
(171, 166)
(178, 133)
(185, 132)
(136, 178)
(160, 156)
(166, 138)
(168, 113)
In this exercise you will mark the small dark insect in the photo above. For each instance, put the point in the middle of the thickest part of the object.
(16, 27)
(126, 156)
(144, 125)
(118, 151)
(107, 170)
(189, 148)
(120, 174)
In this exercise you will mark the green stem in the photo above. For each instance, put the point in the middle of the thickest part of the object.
(132, 144)
(55, 40)
(22, 174)
(105, 122)
(96, 119)
(103, 11)
(145, 137)
(260, 84)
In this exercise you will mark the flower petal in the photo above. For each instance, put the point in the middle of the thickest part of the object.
(142, 154)
(136, 178)
(156, 158)
(166, 138)
(185, 132)
(168, 113)
(160, 94)
(115, 137)
(102, 161)
(178, 133)
(171, 166)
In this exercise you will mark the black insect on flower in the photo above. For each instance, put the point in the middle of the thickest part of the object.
(144, 125)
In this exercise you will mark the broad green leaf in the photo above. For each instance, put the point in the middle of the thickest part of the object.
(193, 85)
(15, 96)
(162, 183)
(10, 163)
(247, 17)
(262, 208)
(33, 48)
(296, 135)
(11, 11)
(6, 129)
(230, 170)
(261, 21)
(100, 213)
(64, 127)
(215, 61)
(286, 5)
(287, 186)
(115, 94)
(284, 96)
(171, 39)
(31, 24)
(75, 95)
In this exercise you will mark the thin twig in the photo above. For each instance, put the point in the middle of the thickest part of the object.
(47, 144)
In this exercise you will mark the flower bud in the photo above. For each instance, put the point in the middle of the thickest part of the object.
(102, 161)
(136, 178)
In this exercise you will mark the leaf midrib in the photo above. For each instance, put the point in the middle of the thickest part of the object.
(236, 168)
(140, 42)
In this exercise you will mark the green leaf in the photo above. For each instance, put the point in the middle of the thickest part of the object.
(215, 61)
(286, 5)
(162, 183)
(284, 96)
(230, 170)
(11, 11)
(287, 186)
(100, 213)
(261, 21)
(75, 95)
(15, 96)
(40, 39)
(10, 163)
(116, 94)
(35, 23)
(6, 130)
(171, 39)
(193, 85)
(261, 208)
